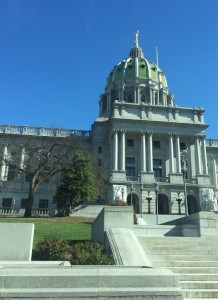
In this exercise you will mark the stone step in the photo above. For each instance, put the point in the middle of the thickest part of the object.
(196, 264)
(198, 277)
(193, 270)
(183, 257)
(200, 293)
(179, 240)
(198, 285)
(200, 298)
(167, 251)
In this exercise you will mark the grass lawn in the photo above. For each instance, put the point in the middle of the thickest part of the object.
(66, 228)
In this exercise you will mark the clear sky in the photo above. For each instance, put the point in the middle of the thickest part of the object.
(55, 55)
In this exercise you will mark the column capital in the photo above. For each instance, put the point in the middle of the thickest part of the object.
(143, 133)
(122, 131)
(115, 131)
(150, 133)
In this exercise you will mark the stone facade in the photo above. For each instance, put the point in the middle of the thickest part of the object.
(148, 146)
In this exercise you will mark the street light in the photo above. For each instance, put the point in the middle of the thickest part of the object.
(184, 156)
(141, 189)
(149, 198)
(156, 192)
(179, 200)
(131, 192)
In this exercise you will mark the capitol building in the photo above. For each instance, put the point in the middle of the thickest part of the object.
(154, 153)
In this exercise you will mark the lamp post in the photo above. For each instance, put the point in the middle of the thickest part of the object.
(141, 189)
(156, 192)
(179, 200)
(131, 192)
(184, 169)
(149, 198)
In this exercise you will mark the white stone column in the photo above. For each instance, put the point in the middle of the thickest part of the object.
(109, 100)
(135, 95)
(115, 150)
(178, 158)
(150, 95)
(204, 156)
(198, 156)
(150, 152)
(153, 97)
(171, 154)
(143, 152)
(123, 147)
(3, 165)
(214, 172)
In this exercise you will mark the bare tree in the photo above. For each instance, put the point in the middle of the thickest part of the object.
(40, 158)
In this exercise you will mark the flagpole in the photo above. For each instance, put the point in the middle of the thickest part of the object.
(158, 83)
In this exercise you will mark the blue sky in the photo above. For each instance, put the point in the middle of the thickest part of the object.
(55, 55)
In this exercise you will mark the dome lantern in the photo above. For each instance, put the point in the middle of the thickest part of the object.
(136, 51)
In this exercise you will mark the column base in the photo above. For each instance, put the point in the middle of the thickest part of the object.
(203, 179)
(147, 177)
(176, 178)
(118, 176)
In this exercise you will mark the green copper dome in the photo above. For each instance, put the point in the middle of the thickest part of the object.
(136, 67)
(135, 81)
(139, 68)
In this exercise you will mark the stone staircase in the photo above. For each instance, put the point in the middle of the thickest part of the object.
(193, 259)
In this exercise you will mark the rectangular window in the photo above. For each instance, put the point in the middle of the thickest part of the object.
(11, 174)
(43, 203)
(130, 160)
(6, 202)
(130, 171)
(157, 162)
(157, 173)
(27, 178)
(182, 146)
(99, 149)
(23, 203)
(99, 162)
(156, 144)
(130, 143)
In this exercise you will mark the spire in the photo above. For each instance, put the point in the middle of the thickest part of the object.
(136, 51)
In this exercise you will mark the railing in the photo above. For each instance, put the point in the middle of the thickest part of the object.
(211, 142)
(41, 212)
(26, 130)
(161, 179)
(132, 178)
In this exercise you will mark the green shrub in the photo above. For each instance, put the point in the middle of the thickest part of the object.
(83, 253)
(52, 248)
(89, 253)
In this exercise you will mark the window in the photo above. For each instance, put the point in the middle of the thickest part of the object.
(156, 144)
(157, 162)
(157, 173)
(143, 98)
(104, 103)
(23, 203)
(130, 143)
(27, 178)
(6, 202)
(11, 174)
(130, 171)
(157, 167)
(99, 149)
(43, 203)
(129, 98)
(182, 146)
(99, 163)
(130, 160)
